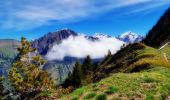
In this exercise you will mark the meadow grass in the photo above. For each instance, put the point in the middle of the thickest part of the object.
(149, 84)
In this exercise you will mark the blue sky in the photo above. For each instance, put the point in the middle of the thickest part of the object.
(34, 18)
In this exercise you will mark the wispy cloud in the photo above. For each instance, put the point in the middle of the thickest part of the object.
(28, 14)
(149, 7)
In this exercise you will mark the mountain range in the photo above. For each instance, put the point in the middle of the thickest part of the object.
(44, 44)
(130, 37)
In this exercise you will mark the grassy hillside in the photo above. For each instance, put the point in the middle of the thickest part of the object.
(153, 84)
(166, 50)
(133, 58)
(135, 72)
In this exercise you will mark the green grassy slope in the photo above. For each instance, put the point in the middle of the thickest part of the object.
(150, 85)
(135, 72)
(166, 50)
(133, 58)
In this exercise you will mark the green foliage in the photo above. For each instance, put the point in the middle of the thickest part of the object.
(111, 90)
(89, 96)
(74, 78)
(149, 97)
(101, 96)
(82, 74)
(74, 98)
(26, 76)
(87, 66)
(148, 79)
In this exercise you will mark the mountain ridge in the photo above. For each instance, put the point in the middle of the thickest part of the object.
(44, 43)
(130, 37)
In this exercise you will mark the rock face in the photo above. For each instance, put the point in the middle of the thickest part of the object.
(130, 37)
(160, 33)
(44, 43)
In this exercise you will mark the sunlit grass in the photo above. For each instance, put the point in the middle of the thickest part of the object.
(154, 83)
(150, 83)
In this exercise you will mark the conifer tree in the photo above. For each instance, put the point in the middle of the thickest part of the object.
(87, 65)
(108, 56)
(87, 70)
(25, 75)
(74, 78)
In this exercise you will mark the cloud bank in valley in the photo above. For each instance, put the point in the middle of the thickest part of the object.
(80, 47)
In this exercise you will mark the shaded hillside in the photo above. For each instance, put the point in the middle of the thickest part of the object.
(160, 33)
(133, 58)
(8, 52)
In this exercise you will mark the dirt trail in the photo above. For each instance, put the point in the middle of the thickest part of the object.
(165, 57)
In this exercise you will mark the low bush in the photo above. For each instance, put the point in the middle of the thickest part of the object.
(74, 98)
(101, 97)
(90, 95)
(111, 90)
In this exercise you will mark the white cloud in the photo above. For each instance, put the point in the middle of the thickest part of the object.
(149, 7)
(25, 14)
(80, 47)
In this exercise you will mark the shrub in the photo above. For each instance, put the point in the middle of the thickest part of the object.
(95, 89)
(111, 90)
(90, 95)
(149, 97)
(101, 97)
(74, 98)
(148, 79)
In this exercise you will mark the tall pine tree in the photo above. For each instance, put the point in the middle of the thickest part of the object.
(87, 70)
